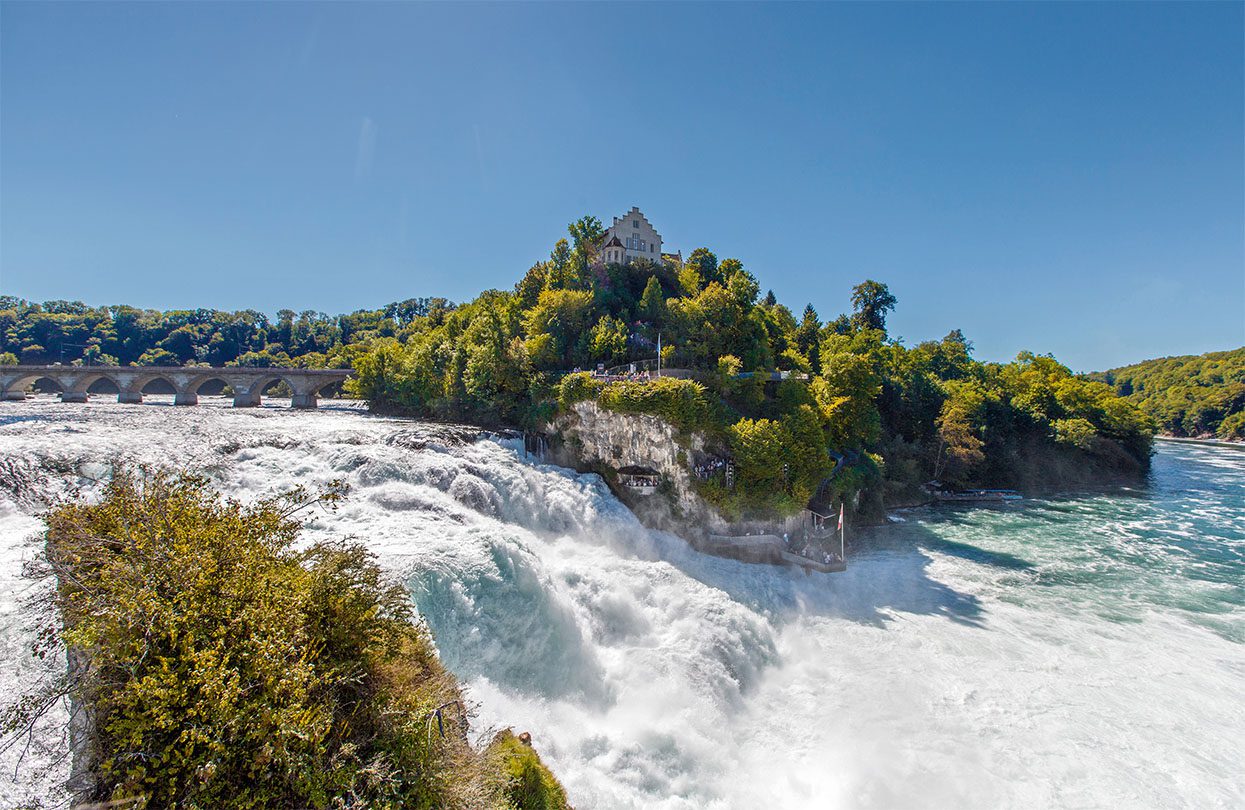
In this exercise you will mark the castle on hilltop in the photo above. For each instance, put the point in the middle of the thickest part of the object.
(633, 237)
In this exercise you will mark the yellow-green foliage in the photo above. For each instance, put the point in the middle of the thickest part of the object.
(577, 387)
(529, 785)
(1075, 433)
(227, 669)
(682, 403)
(1233, 427)
(778, 463)
(1187, 396)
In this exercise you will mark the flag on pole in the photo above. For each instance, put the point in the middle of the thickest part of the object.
(841, 507)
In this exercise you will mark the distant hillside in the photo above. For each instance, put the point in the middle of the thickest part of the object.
(1195, 395)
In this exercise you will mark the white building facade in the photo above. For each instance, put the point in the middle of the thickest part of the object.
(631, 237)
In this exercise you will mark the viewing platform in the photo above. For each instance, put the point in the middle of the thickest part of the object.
(804, 540)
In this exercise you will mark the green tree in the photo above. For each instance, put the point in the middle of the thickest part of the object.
(563, 315)
(561, 272)
(743, 286)
(846, 393)
(961, 450)
(586, 233)
(807, 338)
(705, 264)
(529, 287)
(158, 357)
(872, 301)
(653, 302)
(608, 340)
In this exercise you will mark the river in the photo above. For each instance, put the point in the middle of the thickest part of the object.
(1081, 651)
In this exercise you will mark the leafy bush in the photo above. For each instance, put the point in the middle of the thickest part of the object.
(529, 785)
(577, 387)
(682, 403)
(223, 668)
(779, 464)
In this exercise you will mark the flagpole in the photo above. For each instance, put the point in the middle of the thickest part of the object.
(842, 532)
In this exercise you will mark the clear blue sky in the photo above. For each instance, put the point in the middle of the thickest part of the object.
(1057, 177)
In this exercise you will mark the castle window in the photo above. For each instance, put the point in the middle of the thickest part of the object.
(635, 223)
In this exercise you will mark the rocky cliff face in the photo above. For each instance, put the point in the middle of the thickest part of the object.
(590, 438)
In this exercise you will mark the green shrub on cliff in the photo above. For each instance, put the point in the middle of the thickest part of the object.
(528, 784)
(682, 403)
(577, 387)
(223, 668)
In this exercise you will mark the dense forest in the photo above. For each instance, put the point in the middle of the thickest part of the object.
(1194, 395)
(72, 332)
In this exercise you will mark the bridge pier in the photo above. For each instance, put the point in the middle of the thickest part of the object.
(245, 399)
(185, 398)
(130, 397)
(306, 401)
(13, 396)
(73, 396)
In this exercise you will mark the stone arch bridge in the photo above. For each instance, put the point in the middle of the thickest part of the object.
(247, 383)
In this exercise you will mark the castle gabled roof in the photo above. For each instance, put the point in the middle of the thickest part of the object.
(635, 212)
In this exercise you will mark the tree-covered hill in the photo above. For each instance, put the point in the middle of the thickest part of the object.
(856, 409)
(1194, 395)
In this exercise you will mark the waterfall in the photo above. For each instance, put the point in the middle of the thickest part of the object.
(950, 666)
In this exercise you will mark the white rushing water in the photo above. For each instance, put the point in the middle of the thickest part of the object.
(1085, 652)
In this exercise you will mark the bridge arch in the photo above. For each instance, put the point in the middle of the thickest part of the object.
(162, 383)
(304, 388)
(196, 385)
(110, 386)
(80, 386)
(47, 384)
(20, 384)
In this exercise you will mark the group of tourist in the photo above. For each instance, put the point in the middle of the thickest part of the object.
(813, 552)
(708, 468)
(631, 376)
